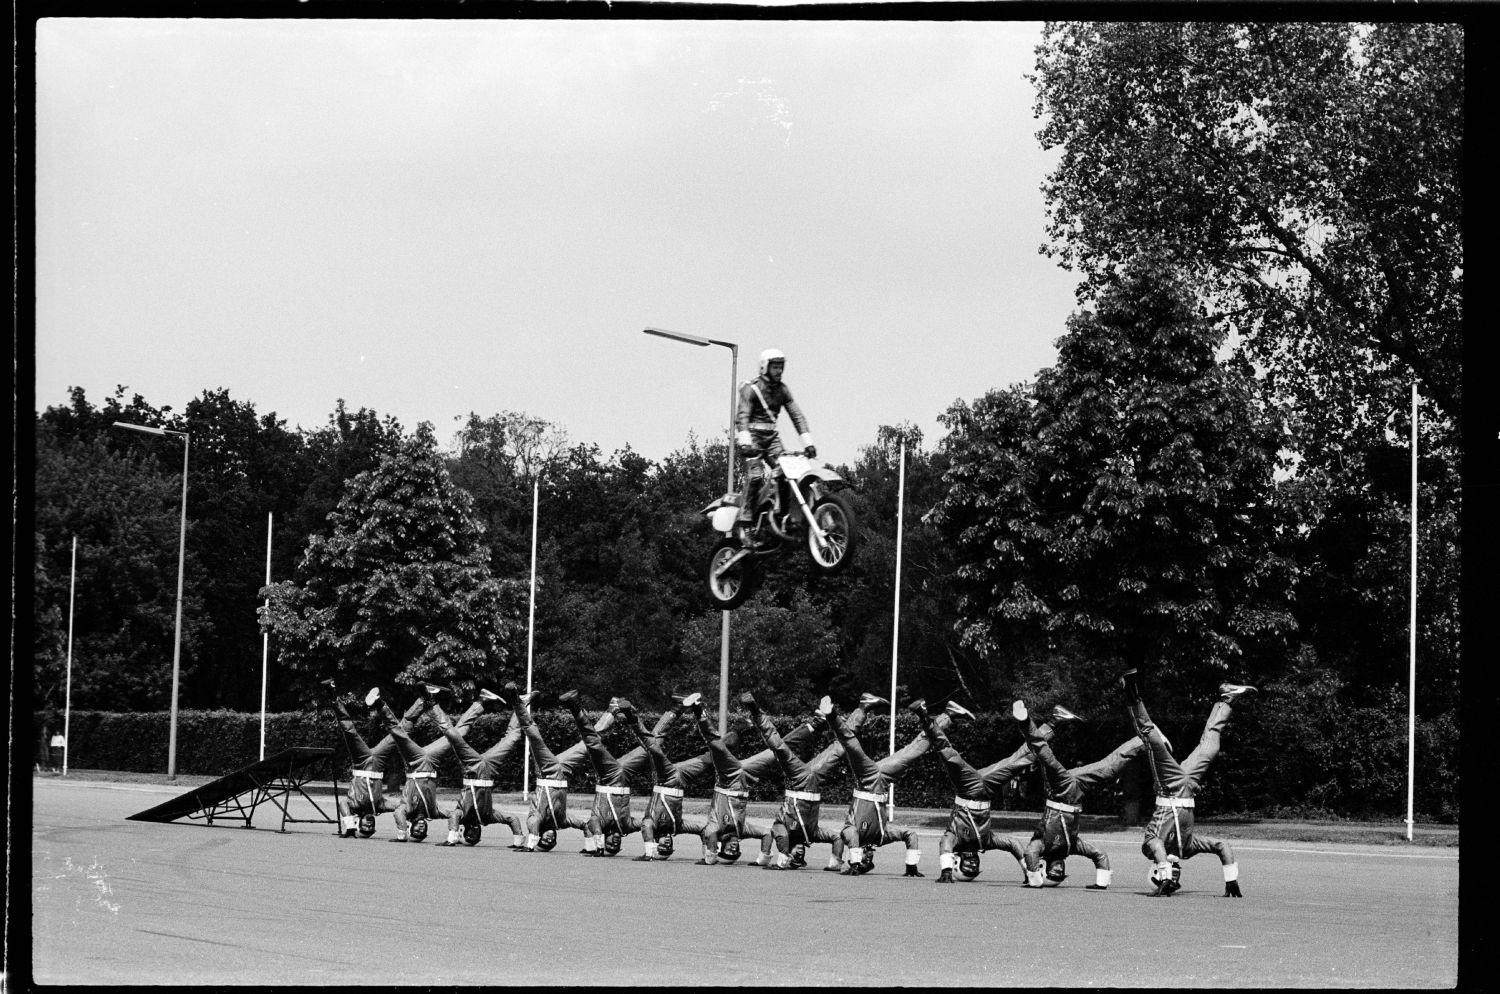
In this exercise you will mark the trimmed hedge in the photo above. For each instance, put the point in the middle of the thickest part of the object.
(1298, 750)
(213, 743)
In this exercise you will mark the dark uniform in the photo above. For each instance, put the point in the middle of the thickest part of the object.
(1056, 836)
(549, 795)
(476, 805)
(732, 782)
(969, 829)
(366, 796)
(1169, 837)
(865, 824)
(610, 814)
(664, 819)
(419, 793)
(796, 823)
(761, 401)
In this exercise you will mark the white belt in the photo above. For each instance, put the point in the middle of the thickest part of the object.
(864, 795)
(731, 793)
(802, 795)
(370, 774)
(422, 776)
(1174, 802)
(479, 783)
(553, 783)
(964, 802)
(605, 789)
(668, 791)
(1060, 806)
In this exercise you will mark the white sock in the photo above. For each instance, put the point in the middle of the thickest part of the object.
(762, 860)
(1034, 877)
(913, 856)
(532, 840)
(1101, 877)
(947, 861)
(834, 862)
(650, 849)
(401, 834)
(455, 836)
(854, 854)
(1231, 872)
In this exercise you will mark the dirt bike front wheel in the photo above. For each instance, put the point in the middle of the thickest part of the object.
(729, 589)
(833, 516)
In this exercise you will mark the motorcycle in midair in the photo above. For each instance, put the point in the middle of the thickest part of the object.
(802, 509)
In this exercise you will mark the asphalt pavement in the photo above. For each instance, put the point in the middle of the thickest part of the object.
(125, 902)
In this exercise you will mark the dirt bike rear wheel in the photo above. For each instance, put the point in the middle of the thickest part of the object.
(733, 588)
(833, 515)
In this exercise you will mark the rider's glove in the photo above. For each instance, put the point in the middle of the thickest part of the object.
(811, 452)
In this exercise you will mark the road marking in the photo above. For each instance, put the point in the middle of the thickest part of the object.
(1378, 852)
(1234, 947)
(1345, 852)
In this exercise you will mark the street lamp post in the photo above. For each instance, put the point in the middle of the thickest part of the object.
(734, 361)
(181, 552)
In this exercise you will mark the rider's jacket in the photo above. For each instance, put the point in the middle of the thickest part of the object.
(760, 403)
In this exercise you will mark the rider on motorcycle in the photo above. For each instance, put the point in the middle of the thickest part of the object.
(761, 401)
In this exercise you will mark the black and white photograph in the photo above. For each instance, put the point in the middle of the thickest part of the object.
(918, 495)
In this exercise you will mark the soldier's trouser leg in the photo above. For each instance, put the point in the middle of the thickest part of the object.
(1165, 769)
(1003, 843)
(1032, 860)
(1219, 848)
(908, 837)
(898, 762)
(464, 813)
(497, 817)
(1099, 857)
(1199, 759)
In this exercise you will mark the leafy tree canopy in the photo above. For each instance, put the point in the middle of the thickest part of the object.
(401, 589)
(1124, 500)
(1307, 176)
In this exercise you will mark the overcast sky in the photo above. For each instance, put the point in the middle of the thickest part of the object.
(429, 218)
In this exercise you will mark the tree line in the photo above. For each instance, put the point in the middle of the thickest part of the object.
(1210, 483)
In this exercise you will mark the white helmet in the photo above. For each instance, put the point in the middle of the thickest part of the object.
(769, 356)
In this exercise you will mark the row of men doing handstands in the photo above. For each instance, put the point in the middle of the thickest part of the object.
(1169, 836)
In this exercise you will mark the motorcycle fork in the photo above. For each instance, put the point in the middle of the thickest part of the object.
(807, 514)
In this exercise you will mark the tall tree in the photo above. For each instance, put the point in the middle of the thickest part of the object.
(1308, 175)
(784, 653)
(349, 444)
(684, 482)
(401, 589)
(1126, 503)
(125, 515)
(243, 467)
(930, 659)
(497, 460)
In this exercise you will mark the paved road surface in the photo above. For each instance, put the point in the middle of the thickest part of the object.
(123, 902)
